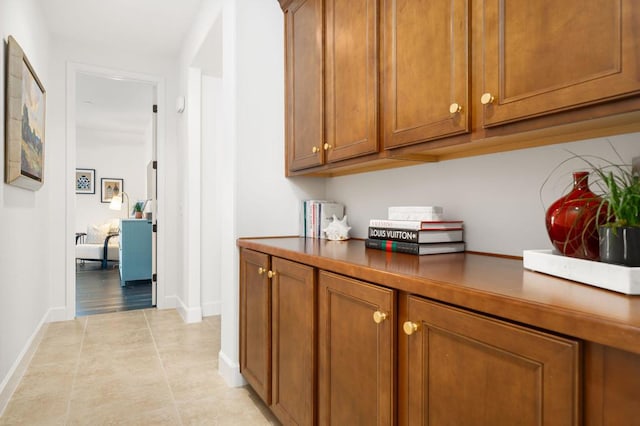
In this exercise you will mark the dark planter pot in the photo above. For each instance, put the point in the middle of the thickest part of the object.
(620, 245)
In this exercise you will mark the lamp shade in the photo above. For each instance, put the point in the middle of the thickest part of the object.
(116, 203)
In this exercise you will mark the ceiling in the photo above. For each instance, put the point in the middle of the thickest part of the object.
(155, 27)
(110, 110)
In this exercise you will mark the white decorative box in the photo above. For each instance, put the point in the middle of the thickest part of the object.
(618, 278)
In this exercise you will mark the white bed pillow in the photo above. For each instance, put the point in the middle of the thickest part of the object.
(96, 234)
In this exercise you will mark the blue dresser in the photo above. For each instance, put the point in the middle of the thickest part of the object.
(135, 250)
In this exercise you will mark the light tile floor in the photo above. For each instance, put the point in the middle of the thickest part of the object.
(144, 367)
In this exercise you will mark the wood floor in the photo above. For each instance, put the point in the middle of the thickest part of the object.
(98, 291)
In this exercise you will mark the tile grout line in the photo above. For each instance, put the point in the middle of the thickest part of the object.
(75, 373)
(164, 371)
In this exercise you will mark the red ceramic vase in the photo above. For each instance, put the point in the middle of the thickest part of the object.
(573, 220)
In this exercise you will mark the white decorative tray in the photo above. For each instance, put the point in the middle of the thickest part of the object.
(618, 278)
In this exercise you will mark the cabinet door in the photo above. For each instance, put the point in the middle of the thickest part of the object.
(612, 386)
(351, 71)
(467, 369)
(135, 250)
(293, 322)
(356, 354)
(255, 322)
(304, 84)
(426, 70)
(547, 55)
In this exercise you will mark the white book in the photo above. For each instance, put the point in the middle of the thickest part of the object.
(417, 225)
(423, 213)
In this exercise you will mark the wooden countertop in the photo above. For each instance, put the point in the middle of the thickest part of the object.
(491, 285)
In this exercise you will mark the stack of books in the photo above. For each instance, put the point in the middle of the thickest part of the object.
(421, 230)
(316, 215)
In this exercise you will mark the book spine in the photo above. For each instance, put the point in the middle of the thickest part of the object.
(309, 217)
(314, 217)
(395, 246)
(303, 219)
(398, 224)
(318, 220)
(403, 235)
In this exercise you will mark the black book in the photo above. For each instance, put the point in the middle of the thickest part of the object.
(414, 248)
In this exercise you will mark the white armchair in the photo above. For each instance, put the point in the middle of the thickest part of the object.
(99, 243)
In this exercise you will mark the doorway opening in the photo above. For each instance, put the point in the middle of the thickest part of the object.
(112, 141)
(114, 145)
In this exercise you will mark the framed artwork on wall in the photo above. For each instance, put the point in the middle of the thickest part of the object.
(25, 109)
(85, 181)
(110, 187)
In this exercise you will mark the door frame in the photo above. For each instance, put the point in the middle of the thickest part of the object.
(73, 69)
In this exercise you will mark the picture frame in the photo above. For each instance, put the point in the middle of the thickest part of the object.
(109, 187)
(85, 181)
(25, 120)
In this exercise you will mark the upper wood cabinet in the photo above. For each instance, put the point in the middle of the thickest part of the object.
(374, 84)
(331, 81)
(541, 57)
(304, 84)
(351, 73)
(425, 74)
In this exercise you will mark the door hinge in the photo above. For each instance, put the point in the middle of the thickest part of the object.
(154, 277)
(154, 228)
(155, 108)
(154, 165)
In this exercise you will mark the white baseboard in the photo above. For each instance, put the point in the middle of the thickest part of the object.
(211, 308)
(10, 383)
(57, 314)
(168, 302)
(189, 315)
(230, 371)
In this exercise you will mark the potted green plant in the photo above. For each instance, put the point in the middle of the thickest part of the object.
(620, 236)
(610, 214)
(137, 208)
(619, 190)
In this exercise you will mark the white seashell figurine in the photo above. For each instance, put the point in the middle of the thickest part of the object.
(338, 230)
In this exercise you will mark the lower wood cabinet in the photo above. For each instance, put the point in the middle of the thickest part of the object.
(293, 342)
(460, 368)
(356, 335)
(328, 348)
(255, 322)
(611, 386)
(277, 334)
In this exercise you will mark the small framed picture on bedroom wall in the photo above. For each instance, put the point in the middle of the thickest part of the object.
(85, 181)
(111, 187)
